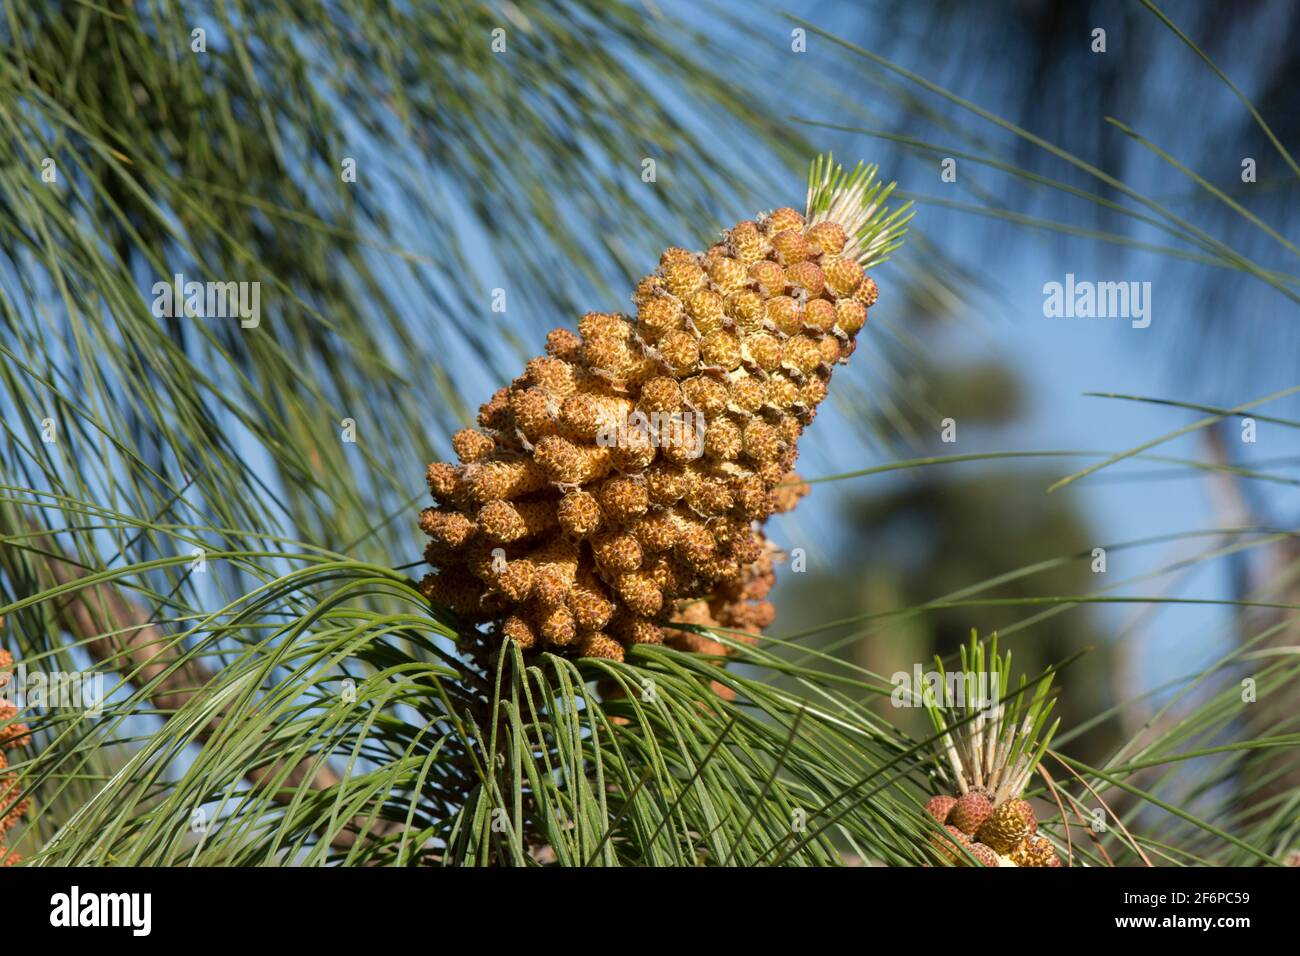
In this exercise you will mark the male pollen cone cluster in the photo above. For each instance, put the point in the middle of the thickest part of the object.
(12, 735)
(1005, 834)
(618, 486)
(988, 747)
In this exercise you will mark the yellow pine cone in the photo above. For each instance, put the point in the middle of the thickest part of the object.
(1035, 851)
(1008, 824)
(618, 486)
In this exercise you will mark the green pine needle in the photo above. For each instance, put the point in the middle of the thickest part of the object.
(989, 738)
(857, 202)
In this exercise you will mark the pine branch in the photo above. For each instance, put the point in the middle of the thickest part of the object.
(122, 635)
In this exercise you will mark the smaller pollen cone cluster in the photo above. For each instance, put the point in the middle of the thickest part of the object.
(988, 746)
(1002, 835)
(12, 809)
(618, 486)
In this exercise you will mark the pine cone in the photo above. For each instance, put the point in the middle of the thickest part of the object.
(970, 812)
(1035, 851)
(618, 486)
(1005, 827)
(12, 807)
(939, 807)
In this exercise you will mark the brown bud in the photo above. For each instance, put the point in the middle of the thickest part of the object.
(579, 514)
(471, 445)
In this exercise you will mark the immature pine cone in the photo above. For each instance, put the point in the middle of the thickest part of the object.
(12, 809)
(617, 486)
(988, 832)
